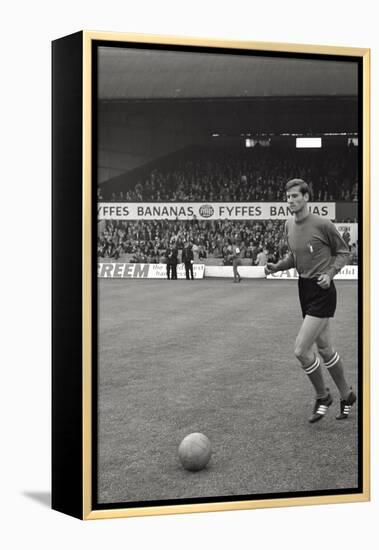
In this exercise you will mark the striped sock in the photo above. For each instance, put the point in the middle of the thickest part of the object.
(332, 361)
(315, 376)
(313, 366)
(336, 371)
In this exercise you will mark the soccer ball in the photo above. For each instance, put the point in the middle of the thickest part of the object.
(195, 451)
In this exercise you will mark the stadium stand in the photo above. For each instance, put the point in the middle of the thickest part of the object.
(256, 174)
(228, 175)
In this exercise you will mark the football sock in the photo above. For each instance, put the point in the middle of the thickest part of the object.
(335, 369)
(315, 376)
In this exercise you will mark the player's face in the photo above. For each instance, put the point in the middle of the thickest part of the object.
(296, 200)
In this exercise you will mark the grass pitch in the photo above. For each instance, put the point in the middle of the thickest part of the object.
(211, 356)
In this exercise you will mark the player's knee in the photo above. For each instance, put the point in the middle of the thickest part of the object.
(298, 351)
(325, 351)
(301, 353)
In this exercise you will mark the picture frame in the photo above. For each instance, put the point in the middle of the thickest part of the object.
(196, 138)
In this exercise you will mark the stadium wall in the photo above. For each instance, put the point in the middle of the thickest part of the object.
(121, 270)
(349, 272)
(246, 272)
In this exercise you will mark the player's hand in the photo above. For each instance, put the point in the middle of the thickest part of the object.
(324, 281)
(270, 268)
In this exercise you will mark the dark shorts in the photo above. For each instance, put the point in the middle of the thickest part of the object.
(315, 300)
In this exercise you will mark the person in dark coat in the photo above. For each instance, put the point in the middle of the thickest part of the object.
(171, 262)
(187, 260)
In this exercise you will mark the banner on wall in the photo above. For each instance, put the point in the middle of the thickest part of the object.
(119, 270)
(349, 272)
(206, 211)
(348, 231)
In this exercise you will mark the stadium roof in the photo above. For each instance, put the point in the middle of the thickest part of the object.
(132, 74)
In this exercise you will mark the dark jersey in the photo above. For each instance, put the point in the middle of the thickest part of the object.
(236, 253)
(315, 247)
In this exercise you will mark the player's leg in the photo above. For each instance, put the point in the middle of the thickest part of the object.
(236, 275)
(332, 360)
(309, 331)
(334, 365)
(235, 272)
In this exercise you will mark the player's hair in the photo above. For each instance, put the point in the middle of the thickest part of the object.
(303, 186)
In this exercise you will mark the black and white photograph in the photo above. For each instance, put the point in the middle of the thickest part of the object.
(172, 170)
(229, 227)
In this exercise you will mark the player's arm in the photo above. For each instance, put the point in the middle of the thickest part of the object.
(339, 250)
(282, 265)
(340, 253)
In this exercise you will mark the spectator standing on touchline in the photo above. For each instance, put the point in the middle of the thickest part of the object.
(187, 260)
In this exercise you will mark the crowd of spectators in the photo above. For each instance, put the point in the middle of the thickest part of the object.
(212, 241)
(146, 241)
(257, 174)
